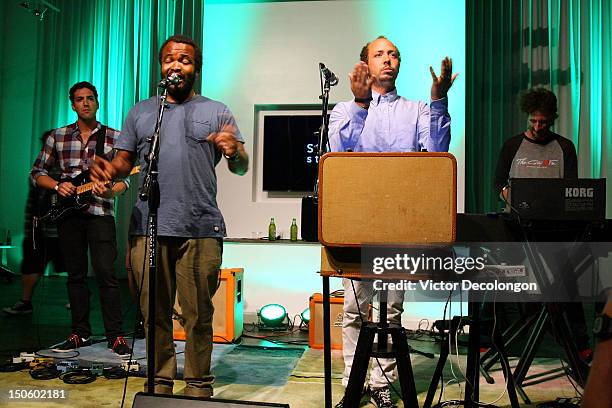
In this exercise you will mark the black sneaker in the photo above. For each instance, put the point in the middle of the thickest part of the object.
(74, 342)
(120, 347)
(381, 397)
(19, 308)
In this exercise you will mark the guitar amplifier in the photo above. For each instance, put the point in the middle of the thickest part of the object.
(315, 326)
(228, 319)
(310, 209)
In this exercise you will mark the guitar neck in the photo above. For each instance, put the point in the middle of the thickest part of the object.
(87, 187)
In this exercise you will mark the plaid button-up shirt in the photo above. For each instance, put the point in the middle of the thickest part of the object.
(65, 147)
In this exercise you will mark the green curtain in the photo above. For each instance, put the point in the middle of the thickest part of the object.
(114, 45)
(513, 45)
(111, 43)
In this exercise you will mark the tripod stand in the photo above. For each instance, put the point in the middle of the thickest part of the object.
(550, 317)
(367, 348)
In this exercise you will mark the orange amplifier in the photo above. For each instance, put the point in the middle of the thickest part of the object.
(228, 320)
(315, 327)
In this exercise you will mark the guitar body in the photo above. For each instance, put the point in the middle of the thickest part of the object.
(63, 206)
(60, 209)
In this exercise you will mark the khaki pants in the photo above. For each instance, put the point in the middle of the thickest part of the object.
(192, 267)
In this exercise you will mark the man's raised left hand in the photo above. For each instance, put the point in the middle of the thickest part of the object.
(441, 84)
(225, 140)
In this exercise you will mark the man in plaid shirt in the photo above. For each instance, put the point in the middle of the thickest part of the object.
(73, 149)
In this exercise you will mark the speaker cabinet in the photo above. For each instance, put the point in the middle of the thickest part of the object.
(145, 400)
(228, 320)
(310, 210)
(315, 327)
(357, 207)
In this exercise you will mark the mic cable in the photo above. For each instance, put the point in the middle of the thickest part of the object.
(80, 376)
(44, 371)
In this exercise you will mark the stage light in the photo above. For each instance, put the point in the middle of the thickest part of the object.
(305, 315)
(305, 320)
(273, 316)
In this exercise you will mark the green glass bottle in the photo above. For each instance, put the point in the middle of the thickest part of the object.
(293, 231)
(272, 230)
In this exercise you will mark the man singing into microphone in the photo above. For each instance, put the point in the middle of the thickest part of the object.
(195, 134)
(379, 120)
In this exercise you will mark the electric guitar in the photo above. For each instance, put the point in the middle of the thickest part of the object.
(61, 206)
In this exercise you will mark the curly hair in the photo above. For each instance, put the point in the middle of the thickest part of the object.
(81, 85)
(539, 100)
(183, 39)
(363, 56)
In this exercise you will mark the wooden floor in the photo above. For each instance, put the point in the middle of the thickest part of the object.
(304, 388)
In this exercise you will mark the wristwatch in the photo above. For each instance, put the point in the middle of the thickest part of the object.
(56, 188)
(233, 157)
(602, 328)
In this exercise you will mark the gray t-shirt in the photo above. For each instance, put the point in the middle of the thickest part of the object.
(522, 157)
(187, 179)
(534, 160)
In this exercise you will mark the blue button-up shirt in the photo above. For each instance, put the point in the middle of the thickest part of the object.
(391, 124)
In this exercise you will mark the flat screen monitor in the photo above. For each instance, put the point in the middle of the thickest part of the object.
(290, 150)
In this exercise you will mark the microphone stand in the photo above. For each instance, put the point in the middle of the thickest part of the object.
(150, 193)
(323, 146)
(322, 149)
(310, 203)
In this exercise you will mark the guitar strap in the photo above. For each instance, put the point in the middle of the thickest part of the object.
(100, 139)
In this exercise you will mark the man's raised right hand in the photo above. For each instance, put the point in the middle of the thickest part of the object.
(361, 81)
(102, 171)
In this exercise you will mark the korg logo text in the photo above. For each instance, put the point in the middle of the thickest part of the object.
(571, 192)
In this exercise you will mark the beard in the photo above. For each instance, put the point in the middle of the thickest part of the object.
(542, 134)
(388, 82)
(182, 90)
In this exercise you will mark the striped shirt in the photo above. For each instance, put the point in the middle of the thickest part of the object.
(64, 147)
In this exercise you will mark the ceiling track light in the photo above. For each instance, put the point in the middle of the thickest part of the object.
(38, 8)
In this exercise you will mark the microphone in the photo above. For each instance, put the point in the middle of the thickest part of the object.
(329, 76)
(172, 79)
